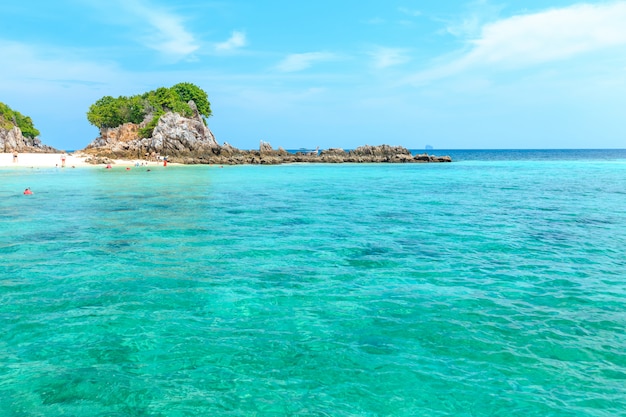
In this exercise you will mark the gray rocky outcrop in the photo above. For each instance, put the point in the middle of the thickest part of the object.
(13, 140)
(174, 136)
(266, 155)
(377, 154)
(99, 160)
(190, 141)
(179, 136)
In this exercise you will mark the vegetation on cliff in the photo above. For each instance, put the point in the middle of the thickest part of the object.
(10, 118)
(110, 112)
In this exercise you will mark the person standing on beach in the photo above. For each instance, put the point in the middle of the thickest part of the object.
(14, 156)
(63, 160)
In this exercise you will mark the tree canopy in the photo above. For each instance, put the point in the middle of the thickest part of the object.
(112, 112)
(10, 118)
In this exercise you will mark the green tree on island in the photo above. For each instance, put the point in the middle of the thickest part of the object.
(10, 118)
(113, 112)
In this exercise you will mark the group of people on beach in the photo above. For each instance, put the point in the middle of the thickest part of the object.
(63, 158)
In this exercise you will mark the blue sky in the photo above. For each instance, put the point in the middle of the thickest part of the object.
(450, 74)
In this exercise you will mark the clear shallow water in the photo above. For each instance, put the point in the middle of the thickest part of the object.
(477, 288)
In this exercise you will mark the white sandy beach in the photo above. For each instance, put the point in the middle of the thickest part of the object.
(51, 160)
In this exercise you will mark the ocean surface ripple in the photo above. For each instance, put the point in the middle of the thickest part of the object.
(477, 288)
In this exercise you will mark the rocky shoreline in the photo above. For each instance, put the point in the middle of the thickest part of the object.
(187, 140)
(267, 156)
(228, 155)
(13, 140)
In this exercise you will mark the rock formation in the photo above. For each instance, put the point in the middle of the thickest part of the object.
(174, 136)
(190, 141)
(266, 155)
(13, 140)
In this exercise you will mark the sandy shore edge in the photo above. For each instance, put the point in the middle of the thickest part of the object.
(51, 160)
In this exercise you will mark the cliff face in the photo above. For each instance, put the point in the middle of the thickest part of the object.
(178, 136)
(117, 139)
(13, 140)
(174, 136)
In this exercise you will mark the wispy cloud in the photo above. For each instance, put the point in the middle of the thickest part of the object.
(477, 14)
(167, 33)
(299, 62)
(388, 57)
(237, 40)
(409, 12)
(552, 35)
(374, 21)
(39, 67)
(532, 39)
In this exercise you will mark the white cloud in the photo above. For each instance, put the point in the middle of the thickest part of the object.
(43, 67)
(409, 12)
(389, 57)
(539, 38)
(237, 40)
(298, 62)
(470, 25)
(551, 35)
(471, 22)
(167, 33)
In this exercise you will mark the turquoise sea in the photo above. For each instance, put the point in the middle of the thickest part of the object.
(491, 286)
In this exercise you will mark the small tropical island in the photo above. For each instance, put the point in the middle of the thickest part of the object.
(172, 123)
(18, 133)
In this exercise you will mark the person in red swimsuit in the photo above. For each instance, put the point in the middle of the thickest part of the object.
(28, 191)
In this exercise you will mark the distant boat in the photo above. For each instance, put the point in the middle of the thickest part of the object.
(310, 151)
(305, 151)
